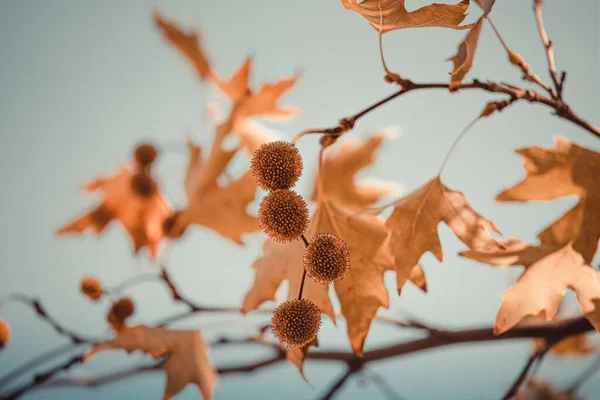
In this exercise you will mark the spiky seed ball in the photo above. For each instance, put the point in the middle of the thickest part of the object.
(296, 322)
(91, 288)
(145, 154)
(4, 333)
(120, 310)
(283, 215)
(143, 185)
(276, 165)
(327, 258)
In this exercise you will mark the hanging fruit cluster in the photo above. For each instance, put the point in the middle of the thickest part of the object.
(283, 216)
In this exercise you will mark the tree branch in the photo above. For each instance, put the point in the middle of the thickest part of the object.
(552, 331)
(535, 356)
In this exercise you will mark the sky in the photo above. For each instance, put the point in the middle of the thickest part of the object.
(81, 83)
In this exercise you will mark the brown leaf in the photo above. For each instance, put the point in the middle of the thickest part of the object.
(388, 15)
(187, 356)
(486, 5)
(539, 291)
(463, 60)
(141, 215)
(417, 277)
(575, 345)
(264, 102)
(340, 168)
(362, 291)
(296, 356)
(187, 43)
(565, 170)
(279, 262)
(221, 208)
(413, 225)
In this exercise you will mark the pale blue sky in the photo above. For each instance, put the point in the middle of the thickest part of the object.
(82, 82)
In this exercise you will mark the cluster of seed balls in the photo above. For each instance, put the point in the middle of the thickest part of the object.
(283, 216)
(142, 182)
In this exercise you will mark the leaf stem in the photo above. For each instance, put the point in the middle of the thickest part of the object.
(306, 244)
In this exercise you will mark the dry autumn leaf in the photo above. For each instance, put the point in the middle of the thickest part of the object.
(134, 200)
(388, 15)
(463, 60)
(564, 170)
(187, 356)
(413, 225)
(261, 103)
(340, 167)
(296, 356)
(362, 292)
(221, 208)
(187, 43)
(549, 272)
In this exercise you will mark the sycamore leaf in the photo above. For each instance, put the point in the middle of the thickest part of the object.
(486, 5)
(261, 103)
(564, 170)
(340, 168)
(296, 356)
(221, 208)
(186, 352)
(279, 262)
(142, 216)
(463, 60)
(388, 15)
(187, 43)
(417, 277)
(362, 292)
(413, 225)
(540, 290)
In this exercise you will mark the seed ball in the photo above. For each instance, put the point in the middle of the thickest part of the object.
(296, 322)
(4, 333)
(120, 310)
(143, 185)
(145, 154)
(283, 215)
(276, 165)
(91, 288)
(327, 258)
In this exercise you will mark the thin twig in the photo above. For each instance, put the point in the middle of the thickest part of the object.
(536, 356)
(537, 8)
(337, 385)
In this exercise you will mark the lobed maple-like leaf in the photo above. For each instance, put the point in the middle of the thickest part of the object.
(141, 216)
(340, 167)
(463, 60)
(279, 262)
(564, 170)
(296, 356)
(221, 208)
(187, 43)
(187, 356)
(388, 15)
(413, 226)
(362, 292)
(549, 272)
(261, 103)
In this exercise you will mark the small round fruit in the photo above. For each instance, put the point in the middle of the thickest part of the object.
(145, 154)
(91, 288)
(120, 310)
(296, 322)
(327, 258)
(283, 215)
(143, 185)
(4, 333)
(276, 165)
